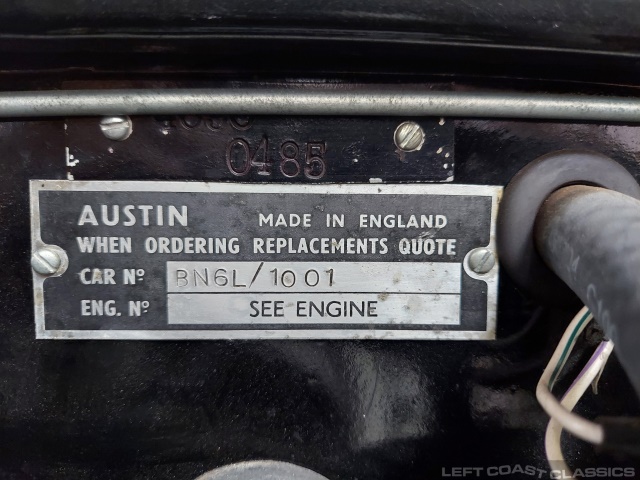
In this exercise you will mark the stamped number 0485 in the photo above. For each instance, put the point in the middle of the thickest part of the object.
(306, 159)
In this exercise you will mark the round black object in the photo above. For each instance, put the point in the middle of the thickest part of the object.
(522, 200)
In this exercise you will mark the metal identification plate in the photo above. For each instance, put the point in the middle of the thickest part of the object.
(186, 260)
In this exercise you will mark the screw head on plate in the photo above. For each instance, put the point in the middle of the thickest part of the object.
(409, 137)
(46, 261)
(116, 128)
(481, 260)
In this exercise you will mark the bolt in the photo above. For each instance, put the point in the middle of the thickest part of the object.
(481, 260)
(116, 128)
(409, 137)
(46, 261)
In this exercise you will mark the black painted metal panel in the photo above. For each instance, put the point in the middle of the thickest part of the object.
(346, 409)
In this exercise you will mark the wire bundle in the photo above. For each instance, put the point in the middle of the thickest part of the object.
(560, 412)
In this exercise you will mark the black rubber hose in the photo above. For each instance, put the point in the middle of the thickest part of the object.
(590, 237)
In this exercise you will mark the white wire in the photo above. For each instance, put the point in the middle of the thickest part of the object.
(587, 376)
(577, 425)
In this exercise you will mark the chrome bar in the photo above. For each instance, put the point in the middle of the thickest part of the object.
(300, 100)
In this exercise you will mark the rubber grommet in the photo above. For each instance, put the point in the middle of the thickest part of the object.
(522, 200)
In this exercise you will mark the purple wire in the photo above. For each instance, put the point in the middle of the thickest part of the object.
(595, 355)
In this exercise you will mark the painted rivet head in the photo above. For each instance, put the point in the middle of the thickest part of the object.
(409, 137)
(481, 260)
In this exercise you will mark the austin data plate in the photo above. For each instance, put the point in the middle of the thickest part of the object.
(183, 260)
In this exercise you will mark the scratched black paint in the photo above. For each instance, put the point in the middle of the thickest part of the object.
(183, 148)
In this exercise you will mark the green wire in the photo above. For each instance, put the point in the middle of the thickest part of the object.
(567, 348)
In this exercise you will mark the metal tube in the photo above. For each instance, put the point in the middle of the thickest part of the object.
(318, 101)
